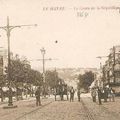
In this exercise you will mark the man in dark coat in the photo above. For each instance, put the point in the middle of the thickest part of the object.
(37, 94)
(72, 91)
(99, 96)
(105, 94)
(78, 94)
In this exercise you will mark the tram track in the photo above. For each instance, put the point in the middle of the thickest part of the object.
(88, 114)
(33, 111)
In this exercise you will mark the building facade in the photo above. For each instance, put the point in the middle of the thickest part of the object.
(111, 69)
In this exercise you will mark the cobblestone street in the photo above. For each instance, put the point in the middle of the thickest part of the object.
(65, 110)
(62, 110)
(59, 110)
(24, 106)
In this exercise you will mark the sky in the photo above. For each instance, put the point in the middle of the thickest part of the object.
(84, 30)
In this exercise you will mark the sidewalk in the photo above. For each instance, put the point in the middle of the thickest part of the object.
(24, 106)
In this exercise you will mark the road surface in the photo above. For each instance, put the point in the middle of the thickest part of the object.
(61, 110)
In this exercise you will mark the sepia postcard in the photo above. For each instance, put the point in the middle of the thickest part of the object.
(59, 60)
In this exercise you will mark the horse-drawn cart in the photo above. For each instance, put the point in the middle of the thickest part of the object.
(61, 90)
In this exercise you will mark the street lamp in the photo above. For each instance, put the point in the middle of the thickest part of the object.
(8, 28)
(43, 55)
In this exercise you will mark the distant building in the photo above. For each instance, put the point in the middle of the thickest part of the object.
(3, 61)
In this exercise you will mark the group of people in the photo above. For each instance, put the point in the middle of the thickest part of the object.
(72, 92)
(100, 93)
(103, 93)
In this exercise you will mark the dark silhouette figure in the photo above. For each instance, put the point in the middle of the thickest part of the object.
(93, 94)
(37, 94)
(72, 91)
(99, 96)
(105, 94)
(78, 94)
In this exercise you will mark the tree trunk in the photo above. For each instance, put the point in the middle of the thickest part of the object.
(2, 95)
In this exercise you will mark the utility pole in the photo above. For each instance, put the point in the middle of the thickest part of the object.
(8, 28)
(43, 51)
(114, 76)
(44, 86)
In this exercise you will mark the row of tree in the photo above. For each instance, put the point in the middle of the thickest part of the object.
(22, 77)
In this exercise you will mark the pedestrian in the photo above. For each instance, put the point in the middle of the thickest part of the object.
(72, 91)
(105, 94)
(111, 94)
(37, 94)
(78, 94)
(99, 96)
(93, 94)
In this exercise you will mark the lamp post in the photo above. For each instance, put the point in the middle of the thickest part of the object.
(43, 51)
(8, 28)
(43, 55)
(114, 63)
